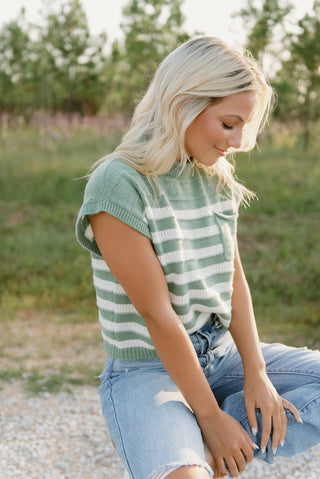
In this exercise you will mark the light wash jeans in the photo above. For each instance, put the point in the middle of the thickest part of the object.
(153, 428)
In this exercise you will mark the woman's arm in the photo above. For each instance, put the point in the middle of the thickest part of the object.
(131, 258)
(259, 391)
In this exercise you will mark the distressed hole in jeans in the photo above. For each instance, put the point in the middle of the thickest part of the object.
(165, 472)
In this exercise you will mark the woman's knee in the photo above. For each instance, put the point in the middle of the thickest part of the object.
(189, 472)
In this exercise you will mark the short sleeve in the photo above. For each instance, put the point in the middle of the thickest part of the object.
(117, 189)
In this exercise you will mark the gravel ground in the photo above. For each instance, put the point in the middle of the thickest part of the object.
(63, 436)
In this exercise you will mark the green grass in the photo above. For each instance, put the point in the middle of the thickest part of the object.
(279, 240)
(40, 194)
(45, 272)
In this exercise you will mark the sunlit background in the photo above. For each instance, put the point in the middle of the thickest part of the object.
(70, 77)
(209, 16)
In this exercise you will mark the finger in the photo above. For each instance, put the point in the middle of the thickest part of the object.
(212, 463)
(219, 461)
(216, 470)
(277, 430)
(250, 442)
(247, 450)
(232, 466)
(240, 462)
(293, 409)
(210, 460)
(252, 419)
(284, 427)
(266, 429)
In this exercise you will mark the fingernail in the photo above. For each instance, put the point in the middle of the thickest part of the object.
(254, 431)
(254, 445)
(263, 450)
(300, 420)
(274, 450)
(282, 443)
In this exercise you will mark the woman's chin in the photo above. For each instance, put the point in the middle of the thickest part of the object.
(209, 161)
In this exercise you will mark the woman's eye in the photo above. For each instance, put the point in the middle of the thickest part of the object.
(227, 127)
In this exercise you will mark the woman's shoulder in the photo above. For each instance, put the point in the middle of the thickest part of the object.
(113, 173)
(115, 168)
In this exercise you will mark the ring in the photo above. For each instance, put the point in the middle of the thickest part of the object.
(283, 412)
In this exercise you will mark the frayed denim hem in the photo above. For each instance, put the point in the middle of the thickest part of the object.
(164, 472)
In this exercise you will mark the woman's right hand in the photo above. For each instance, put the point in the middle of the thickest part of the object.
(229, 444)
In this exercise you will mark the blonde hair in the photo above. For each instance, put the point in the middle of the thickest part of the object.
(187, 81)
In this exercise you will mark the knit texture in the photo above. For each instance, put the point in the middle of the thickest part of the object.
(192, 229)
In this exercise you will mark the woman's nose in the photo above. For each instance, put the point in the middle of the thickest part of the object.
(235, 139)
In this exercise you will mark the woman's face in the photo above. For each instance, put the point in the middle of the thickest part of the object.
(219, 127)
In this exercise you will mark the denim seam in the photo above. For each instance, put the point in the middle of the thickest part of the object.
(119, 430)
(276, 372)
(301, 373)
(310, 402)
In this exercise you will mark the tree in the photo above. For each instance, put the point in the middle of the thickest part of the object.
(152, 29)
(298, 81)
(261, 19)
(57, 65)
(15, 65)
(71, 61)
(294, 58)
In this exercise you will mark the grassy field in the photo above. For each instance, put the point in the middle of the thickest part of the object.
(49, 330)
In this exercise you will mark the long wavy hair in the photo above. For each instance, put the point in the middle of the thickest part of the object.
(192, 77)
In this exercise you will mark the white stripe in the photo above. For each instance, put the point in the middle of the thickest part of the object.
(185, 299)
(108, 286)
(100, 264)
(201, 321)
(179, 233)
(199, 274)
(190, 214)
(227, 205)
(130, 343)
(190, 254)
(183, 278)
(106, 305)
(89, 233)
(140, 343)
(224, 322)
(120, 327)
(223, 308)
(116, 308)
(207, 293)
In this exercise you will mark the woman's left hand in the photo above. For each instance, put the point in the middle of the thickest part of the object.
(259, 393)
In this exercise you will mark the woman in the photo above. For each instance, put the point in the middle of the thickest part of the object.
(185, 370)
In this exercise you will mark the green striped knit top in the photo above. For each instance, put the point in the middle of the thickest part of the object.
(192, 230)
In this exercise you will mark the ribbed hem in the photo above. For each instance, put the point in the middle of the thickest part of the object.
(129, 354)
(113, 209)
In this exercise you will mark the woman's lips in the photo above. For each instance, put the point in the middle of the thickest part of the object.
(221, 152)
